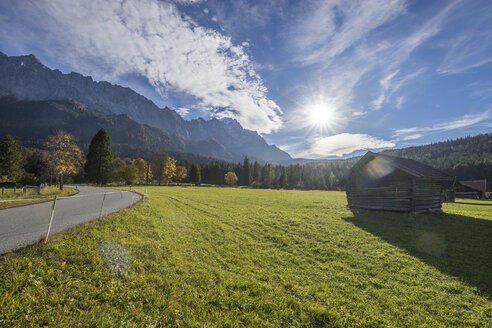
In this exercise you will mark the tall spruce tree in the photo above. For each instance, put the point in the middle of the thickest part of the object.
(99, 164)
(195, 176)
(246, 176)
(11, 159)
(256, 173)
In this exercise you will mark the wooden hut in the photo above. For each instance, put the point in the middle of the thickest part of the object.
(475, 189)
(383, 182)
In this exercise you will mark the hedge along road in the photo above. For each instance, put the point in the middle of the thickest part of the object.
(25, 225)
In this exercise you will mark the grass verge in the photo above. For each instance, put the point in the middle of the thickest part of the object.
(233, 257)
(11, 199)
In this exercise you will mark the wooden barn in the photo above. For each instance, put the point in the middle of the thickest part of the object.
(476, 189)
(383, 182)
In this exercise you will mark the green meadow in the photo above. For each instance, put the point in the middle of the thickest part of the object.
(233, 257)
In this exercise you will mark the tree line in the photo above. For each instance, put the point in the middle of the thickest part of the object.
(62, 160)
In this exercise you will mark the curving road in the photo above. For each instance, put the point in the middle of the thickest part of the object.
(24, 225)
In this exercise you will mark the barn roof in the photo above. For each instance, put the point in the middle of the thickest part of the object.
(476, 184)
(410, 166)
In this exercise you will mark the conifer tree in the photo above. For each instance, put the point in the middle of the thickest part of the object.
(256, 173)
(195, 176)
(11, 159)
(99, 165)
(246, 176)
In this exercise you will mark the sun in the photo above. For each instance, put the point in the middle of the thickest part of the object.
(320, 115)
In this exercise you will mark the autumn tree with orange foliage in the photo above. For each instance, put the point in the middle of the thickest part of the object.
(65, 156)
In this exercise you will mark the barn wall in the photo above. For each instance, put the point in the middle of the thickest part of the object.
(394, 196)
(427, 195)
(407, 195)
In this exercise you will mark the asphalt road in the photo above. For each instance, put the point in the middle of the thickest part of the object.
(25, 225)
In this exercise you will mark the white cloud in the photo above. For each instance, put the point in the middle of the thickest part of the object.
(462, 122)
(359, 113)
(412, 136)
(183, 111)
(109, 39)
(344, 143)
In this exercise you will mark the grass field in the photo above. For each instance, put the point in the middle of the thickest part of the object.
(11, 199)
(262, 258)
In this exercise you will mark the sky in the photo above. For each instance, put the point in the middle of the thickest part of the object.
(319, 79)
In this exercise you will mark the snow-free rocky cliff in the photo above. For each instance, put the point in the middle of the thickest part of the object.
(25, 77)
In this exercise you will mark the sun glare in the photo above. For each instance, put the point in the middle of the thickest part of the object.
(320, 115)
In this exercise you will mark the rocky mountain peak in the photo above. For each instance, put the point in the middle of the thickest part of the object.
(25, 77)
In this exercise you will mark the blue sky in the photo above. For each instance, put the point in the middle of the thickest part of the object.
(320, 79)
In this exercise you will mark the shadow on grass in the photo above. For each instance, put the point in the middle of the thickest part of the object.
(456, 245)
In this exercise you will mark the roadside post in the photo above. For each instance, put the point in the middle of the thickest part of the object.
(51, 219)
(102, 204)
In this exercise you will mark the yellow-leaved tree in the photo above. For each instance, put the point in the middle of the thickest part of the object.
(141, 166)
(65, 157)
(169, 169)
(230, 178)
(181, 173)
(148, 173)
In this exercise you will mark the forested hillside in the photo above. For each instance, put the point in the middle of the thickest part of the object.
(468, 158)
(33, 121)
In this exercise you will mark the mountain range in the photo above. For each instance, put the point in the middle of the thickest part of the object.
(28, 80)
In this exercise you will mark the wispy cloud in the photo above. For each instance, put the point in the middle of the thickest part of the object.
(412, 136)
(399, 102)
(344, 144)
(348, 49)
(240, 15)
(358, 114)
(472, 46)
(152, 38)
(332, 27)
(462, 122)
(482, 92)
(391, 84)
